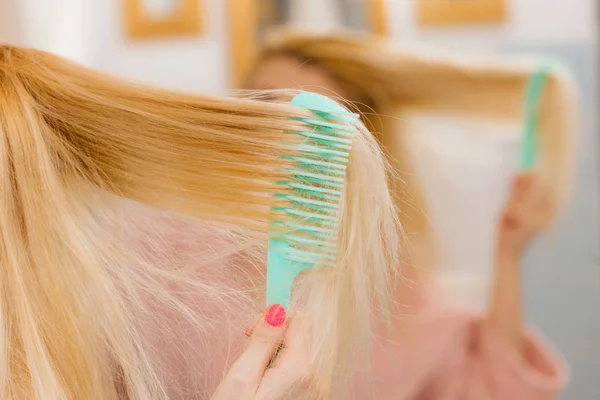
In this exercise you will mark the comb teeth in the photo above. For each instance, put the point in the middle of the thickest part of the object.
(310, 217)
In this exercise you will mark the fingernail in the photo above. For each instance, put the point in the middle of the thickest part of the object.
(275, 315)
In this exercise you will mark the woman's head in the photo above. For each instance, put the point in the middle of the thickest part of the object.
(288, 71)
(346, 66)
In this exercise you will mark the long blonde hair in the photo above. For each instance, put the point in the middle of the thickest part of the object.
(385, 81)
(104, 184)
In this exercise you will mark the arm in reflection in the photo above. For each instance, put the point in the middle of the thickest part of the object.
(527, 211)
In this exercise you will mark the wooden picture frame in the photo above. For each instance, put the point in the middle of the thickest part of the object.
(461, 12)
(185, 20)
(378, 17)
(244, 27)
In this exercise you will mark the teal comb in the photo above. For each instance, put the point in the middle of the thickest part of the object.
(531, 116)
(305, 234)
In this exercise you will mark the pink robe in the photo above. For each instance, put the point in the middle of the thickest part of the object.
(450, 353)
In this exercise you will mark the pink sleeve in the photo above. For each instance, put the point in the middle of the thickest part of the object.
(537, 373)
(482, 366)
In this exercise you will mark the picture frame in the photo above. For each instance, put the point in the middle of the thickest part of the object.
(248, 17)
(461, 12)
(151, 19)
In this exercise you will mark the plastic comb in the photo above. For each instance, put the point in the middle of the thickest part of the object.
(305, 234)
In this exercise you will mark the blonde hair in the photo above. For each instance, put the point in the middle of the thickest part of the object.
(108, 190)
(384, 81)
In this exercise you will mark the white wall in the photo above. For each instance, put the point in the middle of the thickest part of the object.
(195, 64)
(528, 22)
(54, 26)
(10, 22)
(91, 32)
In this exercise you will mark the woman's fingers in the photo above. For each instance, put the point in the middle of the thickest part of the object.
(275, 363)
(528, 209)
(522, 186)
(244, 377)
(535, 203)
(290, 369)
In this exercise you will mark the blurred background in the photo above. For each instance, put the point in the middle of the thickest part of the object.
(206, 45)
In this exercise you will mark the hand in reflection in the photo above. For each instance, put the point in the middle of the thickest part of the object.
(528, 210)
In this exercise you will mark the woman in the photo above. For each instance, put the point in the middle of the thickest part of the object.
(443, 352)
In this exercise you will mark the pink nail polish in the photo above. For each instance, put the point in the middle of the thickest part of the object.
(275, 315)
